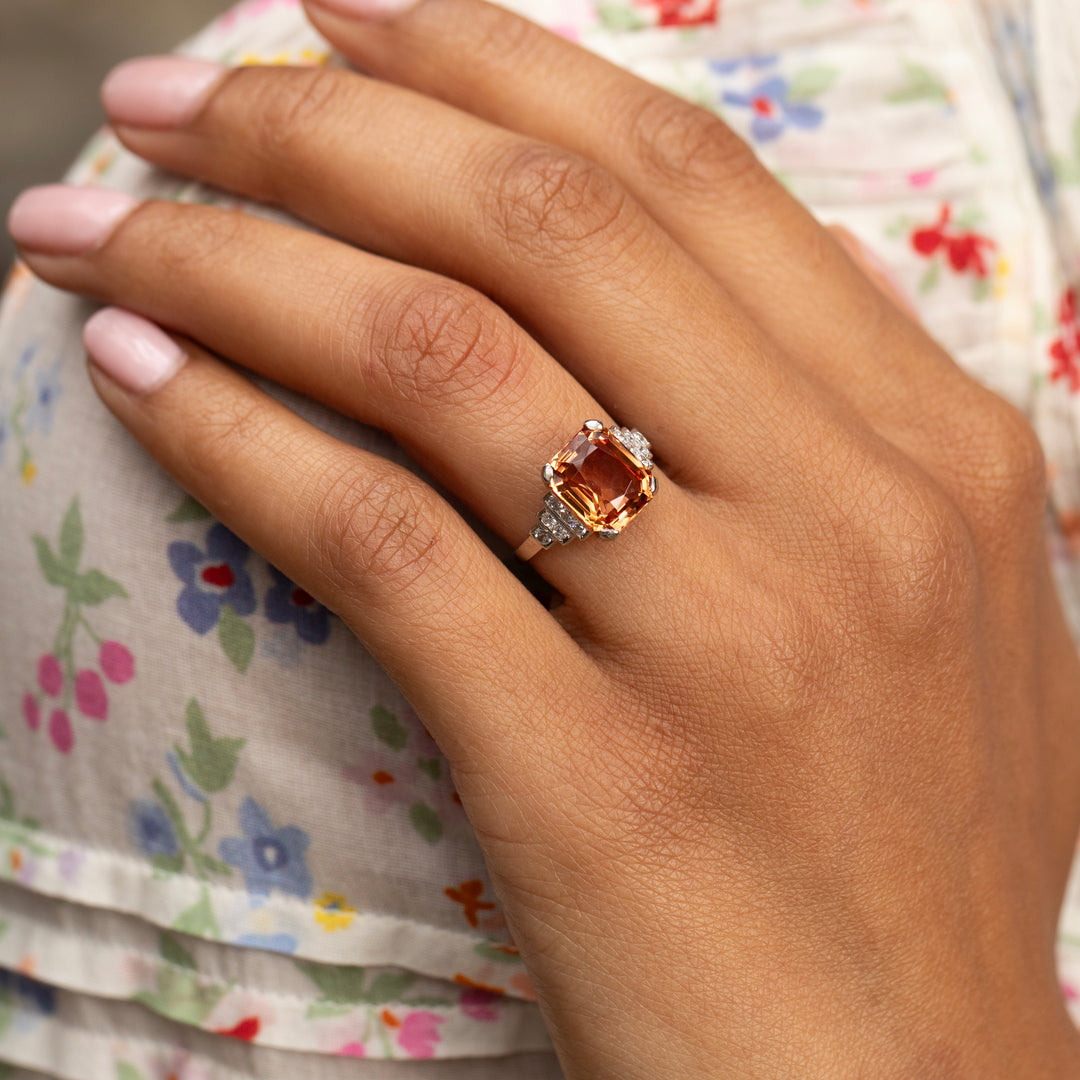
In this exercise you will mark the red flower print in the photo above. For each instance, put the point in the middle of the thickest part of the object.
(246, 1031)
(1065, 351)
(467, 894)
(967, 251)
(684, 12)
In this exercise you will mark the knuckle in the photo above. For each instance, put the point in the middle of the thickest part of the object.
(686, 148)
(923, 565)
(547, 204)
(377, 527)
(293, 105)
(1004, 461)
(438, 341)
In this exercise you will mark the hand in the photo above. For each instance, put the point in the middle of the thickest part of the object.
(789, 784)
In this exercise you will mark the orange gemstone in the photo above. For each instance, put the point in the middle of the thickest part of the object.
(600, 480)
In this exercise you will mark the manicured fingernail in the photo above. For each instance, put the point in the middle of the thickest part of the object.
(363, 9)
(59, 219)
(131, 350)
(158, 91)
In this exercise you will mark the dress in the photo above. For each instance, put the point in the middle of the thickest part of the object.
(228, 848)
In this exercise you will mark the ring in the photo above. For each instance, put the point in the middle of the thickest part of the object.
(600, 481)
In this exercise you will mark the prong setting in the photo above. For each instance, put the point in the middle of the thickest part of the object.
(548, 473)
(607, 534)
(594, 425)
(652, 484)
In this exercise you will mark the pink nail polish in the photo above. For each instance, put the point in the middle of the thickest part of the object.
(59, 219)
(131, 350)
(159, 91)
(363, 9)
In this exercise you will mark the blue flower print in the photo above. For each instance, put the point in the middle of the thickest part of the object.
(268, 858)
(282, 943)
(41, 998)
(212, 578)
(40, 414)
(774, 110)
(151, 830)
(5, 428)
(287, 603)
(756, 60)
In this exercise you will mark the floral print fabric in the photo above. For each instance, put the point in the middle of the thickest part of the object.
(228, 847)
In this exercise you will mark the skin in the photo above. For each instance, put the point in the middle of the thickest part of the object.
(789, 784)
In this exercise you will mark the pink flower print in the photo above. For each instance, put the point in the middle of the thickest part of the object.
(50, 675)
(31, 712)
(90, 695)
(478, 1004)
(419, 1034)
(352, 1050)
(60, 732)
(117, 663)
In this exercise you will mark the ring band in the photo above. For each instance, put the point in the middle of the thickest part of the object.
(600, 481)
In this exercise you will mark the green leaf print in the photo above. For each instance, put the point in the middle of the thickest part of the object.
(490, 950)
(339, 985)
(71, 536)
(188, 510)
(347, 986)
(199, 919)
(426, 822)
(53, 570)
(93, 588)
(124, 1071)
(921, 85)
(930, 278)
(210, 762)
(388, 729)
(620, 17)
(172, 952)
(236, 637)
(179, 996)
(389, 986)
(431, 766)
(811, 82)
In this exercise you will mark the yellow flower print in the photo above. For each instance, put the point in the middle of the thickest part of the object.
(29, 471)
(333, 913)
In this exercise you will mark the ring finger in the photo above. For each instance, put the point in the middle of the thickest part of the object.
(431, 361)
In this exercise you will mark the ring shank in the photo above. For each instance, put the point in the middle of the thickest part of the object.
(529, 549)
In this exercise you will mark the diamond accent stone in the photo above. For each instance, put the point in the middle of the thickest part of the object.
(542, 537)
(554, 526)
(565, 515)
(636, 443)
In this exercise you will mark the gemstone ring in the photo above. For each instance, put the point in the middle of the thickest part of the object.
(600, 481)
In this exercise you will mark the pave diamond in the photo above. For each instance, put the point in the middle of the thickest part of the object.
(636, 443)
(601, 478)
(554, 526)
(565, 515)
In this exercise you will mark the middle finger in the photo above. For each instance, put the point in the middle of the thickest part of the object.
(550, 236)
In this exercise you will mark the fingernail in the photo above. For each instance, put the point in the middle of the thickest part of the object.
(363, 9)
(159, 91)
(131, 350)
(59, 219)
